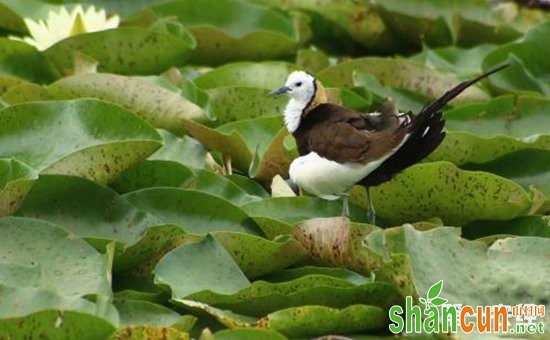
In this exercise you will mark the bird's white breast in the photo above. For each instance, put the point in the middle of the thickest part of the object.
(328, 179)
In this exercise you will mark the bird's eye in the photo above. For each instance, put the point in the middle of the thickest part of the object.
(298, 84)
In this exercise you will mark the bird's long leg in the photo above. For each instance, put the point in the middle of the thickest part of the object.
(345, 205)
(371, 214)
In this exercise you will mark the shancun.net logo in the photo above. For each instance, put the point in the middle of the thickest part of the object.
(440, 317)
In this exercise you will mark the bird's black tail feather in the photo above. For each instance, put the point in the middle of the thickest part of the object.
(432, 108)
(426, 133)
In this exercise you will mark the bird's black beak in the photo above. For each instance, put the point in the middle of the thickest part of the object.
(280, 90)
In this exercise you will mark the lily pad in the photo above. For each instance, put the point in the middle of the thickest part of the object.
(86, 209)
(71, 325)
(485, 132)
(261, 298)
(16, 179)
(160, 107)
(238, 141)
(212, 183)
(501, 272)
(441, 23)
(266, 75)
(457, 196)
(136, 312)
(19, 59)
(197, 267)
(149, 174)
(184, 150)
(114, 49)
(39, 254)
(197, 212)
(26, 92)
(257, 256)
(529, 168)
(401, 74)
(343, 26)
(529, 71)
(232, 30)
(296, 209)
(229, 104)
(303, 321)
(521, 226)
(461, 61)
(85, 137)
(248, 334)
(36, 305)
(8, 82)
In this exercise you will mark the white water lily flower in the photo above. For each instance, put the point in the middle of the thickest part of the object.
(62, 24)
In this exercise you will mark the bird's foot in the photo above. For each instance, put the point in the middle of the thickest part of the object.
(345, 205)
(371, 215)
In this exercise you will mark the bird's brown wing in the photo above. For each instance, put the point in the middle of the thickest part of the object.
(343, 135)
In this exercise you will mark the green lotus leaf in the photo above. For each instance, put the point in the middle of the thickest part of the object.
(262, 297)
(456, 196)
(197, 212)
(529, 168)
(343, 26)
(232, 30)
(21, 60)
(8, 83)
(150, 332)
(115, 50)
(39, 254)
(400, 74)
(156, 173)
(21, 303)
(257, 256)
(25, 92)
(86, 137)
(96, 212)
(136, 312)
(160, 107)
(516, 116)
(464, 62)
(229, 104)
(10, 20)
(249, 185)
(529, 71)
(197, 267)
(239, 140)
(266, 75)
(100, 216)
(523, 226)
(184, 150)
(16, 179)
(405, 100)
(71, 325)
(296, 209)
(248, 334)
(506, 264)
(212, 183)
(440, 23)
(272, 227)
(303, 321)
(275, 161)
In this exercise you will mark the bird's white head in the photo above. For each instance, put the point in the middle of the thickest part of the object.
(301, 87)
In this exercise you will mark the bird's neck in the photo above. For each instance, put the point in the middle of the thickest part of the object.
(297, 109)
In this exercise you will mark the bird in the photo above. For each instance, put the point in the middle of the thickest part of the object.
(339, 147)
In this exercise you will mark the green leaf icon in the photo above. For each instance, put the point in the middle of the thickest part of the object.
(435, 290)
(438, 301)
(422, 300)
